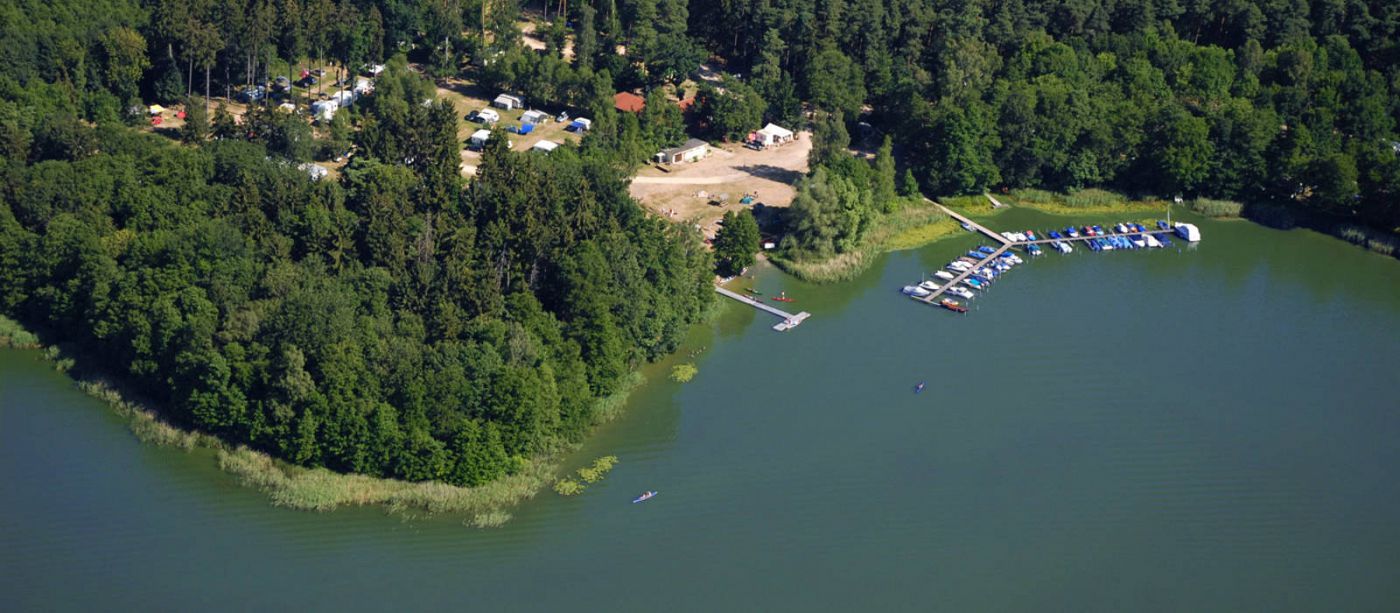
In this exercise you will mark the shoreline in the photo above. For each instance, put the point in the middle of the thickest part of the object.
(320, 489)
(911, 227)
(893, 232)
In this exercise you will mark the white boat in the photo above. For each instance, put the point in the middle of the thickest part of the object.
(959, 264)
(1151, 241)
(1138, 242)
(1064, 247)
(930, 285)
(1189, 232)
(972, 284)
(962, 292)
(915, 291)
(945, 275)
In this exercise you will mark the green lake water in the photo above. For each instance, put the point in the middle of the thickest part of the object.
(1213, 428)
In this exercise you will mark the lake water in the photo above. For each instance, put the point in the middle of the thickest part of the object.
(1212, 428)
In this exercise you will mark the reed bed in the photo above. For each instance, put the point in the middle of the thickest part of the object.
(1215, 208)
(14, 335)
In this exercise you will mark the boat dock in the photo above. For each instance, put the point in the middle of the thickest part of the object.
(1004, 244)
(789, 321)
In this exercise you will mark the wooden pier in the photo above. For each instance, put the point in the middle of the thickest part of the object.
(789, 321)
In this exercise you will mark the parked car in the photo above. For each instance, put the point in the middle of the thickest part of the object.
(307, 81)
(252, 94)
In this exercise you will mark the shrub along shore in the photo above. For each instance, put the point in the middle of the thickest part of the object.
(319, 489)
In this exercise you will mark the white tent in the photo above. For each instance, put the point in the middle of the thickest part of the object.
(479, 138)
(315, 171)
(344, 97)
(773, 134)
(324, 109)
(545, 146)
(534, 117)
(508, 102)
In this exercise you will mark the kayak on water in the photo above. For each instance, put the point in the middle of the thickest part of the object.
(919, 388)
(644, 497)
(782, 299)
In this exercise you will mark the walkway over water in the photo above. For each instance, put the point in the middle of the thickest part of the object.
(789, 320)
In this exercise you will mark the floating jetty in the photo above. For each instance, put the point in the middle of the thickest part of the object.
(1031, 244)
(789, 321)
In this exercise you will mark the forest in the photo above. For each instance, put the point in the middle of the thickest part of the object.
(396, 322)
(403, 321)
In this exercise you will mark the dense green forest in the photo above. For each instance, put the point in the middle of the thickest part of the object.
(401, 321)
(396, 322)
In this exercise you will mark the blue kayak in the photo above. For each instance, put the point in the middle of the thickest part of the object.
(644, 497)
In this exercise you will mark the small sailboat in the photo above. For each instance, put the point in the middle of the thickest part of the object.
(919, 388)
(644, 497)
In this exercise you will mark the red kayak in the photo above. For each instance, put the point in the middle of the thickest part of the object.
(782, 299)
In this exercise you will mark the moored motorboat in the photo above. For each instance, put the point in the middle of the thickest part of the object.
(952, 305)
(945, 275)
(644, 497)
(930, 285)
(961, 292)
(915, 291)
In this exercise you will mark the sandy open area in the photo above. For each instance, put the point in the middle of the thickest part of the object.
(701, 192)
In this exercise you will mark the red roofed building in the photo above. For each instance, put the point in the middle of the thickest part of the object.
(629, 102)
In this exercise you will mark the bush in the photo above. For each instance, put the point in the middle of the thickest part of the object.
(683, 373)
(568, 487)
(599, 469)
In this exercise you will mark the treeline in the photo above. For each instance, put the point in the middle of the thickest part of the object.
(394, 322)
(1292, 102)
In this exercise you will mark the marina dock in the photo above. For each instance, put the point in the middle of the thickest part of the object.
(1005, 244)
(789, 321)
